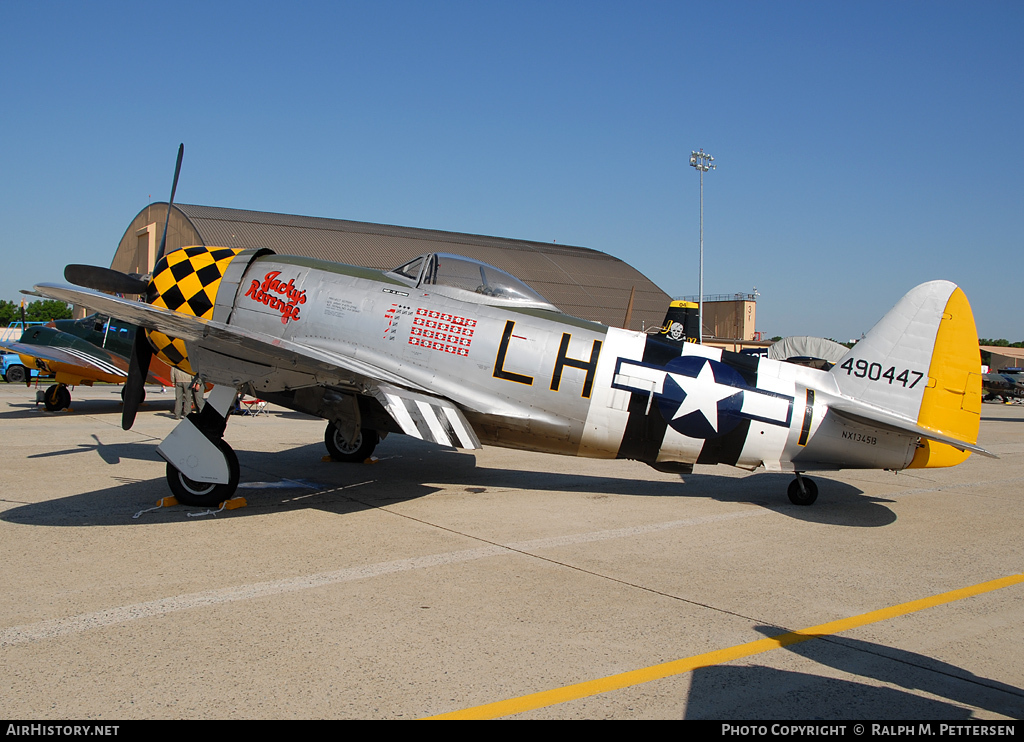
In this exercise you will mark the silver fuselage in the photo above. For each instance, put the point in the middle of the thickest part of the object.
(540, 380)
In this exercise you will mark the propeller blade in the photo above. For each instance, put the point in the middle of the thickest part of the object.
(104, 279)
(138, 370)
(170, 201)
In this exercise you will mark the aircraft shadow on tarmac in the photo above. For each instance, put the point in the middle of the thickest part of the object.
(32, 410)
(925, 688)
(409, 469)
(110, 453)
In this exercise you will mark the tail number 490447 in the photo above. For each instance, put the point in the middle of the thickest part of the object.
(873, 371)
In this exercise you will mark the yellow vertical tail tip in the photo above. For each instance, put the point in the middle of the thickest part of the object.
(952, 399)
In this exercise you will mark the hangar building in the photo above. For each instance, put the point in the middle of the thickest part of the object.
(579, 281)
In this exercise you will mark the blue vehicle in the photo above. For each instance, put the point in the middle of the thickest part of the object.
(11, 367)
(13, 370)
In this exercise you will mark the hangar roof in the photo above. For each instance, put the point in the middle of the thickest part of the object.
(582, 282)
(1002, 350)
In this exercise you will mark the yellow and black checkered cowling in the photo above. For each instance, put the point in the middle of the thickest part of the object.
(186, 281)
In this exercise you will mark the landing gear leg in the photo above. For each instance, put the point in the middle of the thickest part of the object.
(201, 467)
(802, 491)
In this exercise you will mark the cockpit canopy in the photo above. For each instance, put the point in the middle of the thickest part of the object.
(469, 280)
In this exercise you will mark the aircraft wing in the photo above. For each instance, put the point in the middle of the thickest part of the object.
(232, 343)
(97, 364)
(250, 355)
(102, 366)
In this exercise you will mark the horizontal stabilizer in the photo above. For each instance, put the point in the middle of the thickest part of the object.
(867, 414)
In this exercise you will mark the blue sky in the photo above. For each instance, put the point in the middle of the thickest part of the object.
(862, 147)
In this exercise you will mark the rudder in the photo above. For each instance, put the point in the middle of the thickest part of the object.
(952, 404)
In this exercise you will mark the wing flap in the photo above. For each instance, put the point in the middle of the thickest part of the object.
(427, 417)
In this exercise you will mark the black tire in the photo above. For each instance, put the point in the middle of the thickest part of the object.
(205, 494)
(357, 452)
(16, 373)
(57, 397)
(803, 498)
(124, 388)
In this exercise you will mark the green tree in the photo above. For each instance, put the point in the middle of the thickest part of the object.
(8, 312)
(1000, 343)
(47, 309)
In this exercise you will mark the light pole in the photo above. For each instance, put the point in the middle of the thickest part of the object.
(702, 161)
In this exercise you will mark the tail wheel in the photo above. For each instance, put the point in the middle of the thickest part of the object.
(805, 496)
(357, 451)
(205, 494)
(57, 397)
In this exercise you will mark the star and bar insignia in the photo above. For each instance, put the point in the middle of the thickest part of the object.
(702, 398)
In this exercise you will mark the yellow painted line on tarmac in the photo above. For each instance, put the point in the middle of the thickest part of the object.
(688, 664)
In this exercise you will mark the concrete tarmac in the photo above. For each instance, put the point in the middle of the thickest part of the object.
(436, 580)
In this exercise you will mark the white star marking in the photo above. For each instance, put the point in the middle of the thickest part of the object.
(702, 395)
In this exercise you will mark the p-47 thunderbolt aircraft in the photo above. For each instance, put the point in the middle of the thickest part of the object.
(451, 350)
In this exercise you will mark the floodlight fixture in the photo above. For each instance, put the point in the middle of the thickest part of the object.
(702, 161)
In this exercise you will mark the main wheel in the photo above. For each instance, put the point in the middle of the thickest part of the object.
(16, 374)
(205, 494)
(807, 497)
(357, 451)
(57, 397)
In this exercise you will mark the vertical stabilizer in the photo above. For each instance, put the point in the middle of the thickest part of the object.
(682, 323)
(921, 361)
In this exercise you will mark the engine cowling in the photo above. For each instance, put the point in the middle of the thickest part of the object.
(186, 281)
